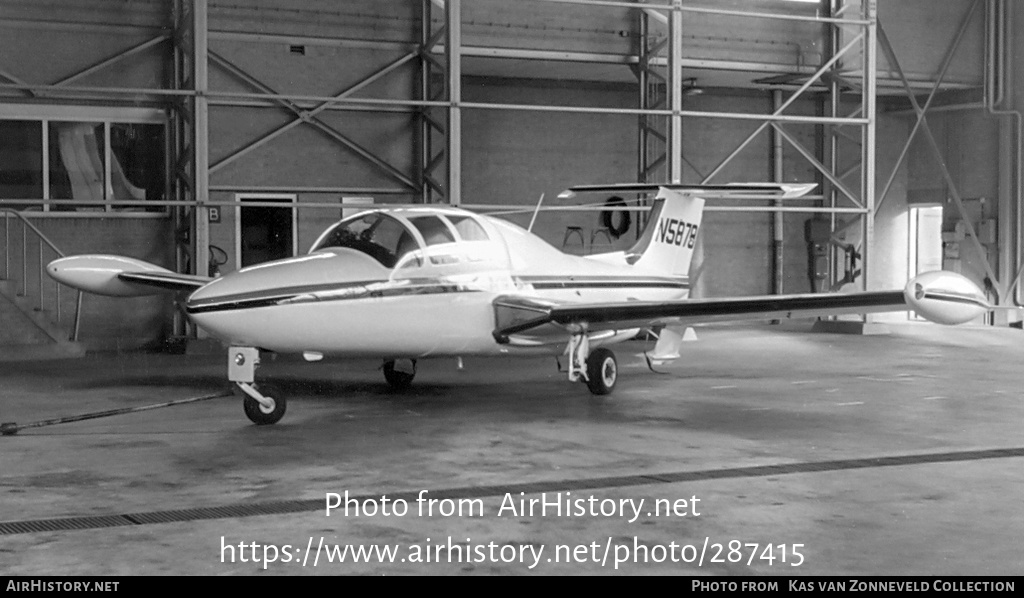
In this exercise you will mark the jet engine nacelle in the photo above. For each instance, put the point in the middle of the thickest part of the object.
(98, 274)
(945, 297)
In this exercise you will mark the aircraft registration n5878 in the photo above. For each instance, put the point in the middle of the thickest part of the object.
(407, 283)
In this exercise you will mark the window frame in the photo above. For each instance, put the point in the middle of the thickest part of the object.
(107, 115)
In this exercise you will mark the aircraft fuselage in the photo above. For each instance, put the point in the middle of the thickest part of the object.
(437, 300)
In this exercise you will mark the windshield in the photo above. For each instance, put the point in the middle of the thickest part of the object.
(378, 235)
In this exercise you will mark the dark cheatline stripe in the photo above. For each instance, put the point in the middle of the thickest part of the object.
(609, 285)
(949, 298)
(309, 505)
(325, 295)
(378, 288)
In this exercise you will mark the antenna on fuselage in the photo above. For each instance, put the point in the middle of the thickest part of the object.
(535, 212)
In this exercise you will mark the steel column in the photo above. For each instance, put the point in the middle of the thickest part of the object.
(869, 98)
(453, 48)
(778, 221)
(674, 147)
(832, 148)
(201, 135)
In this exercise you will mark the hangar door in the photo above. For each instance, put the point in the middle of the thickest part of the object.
(925, 239)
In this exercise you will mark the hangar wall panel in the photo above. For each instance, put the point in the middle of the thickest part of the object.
(381, 20)
(46, 42)
(921, 32)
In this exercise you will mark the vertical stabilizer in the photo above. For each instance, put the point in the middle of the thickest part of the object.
(668, 240)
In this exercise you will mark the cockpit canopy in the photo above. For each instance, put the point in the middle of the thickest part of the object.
(388, 238)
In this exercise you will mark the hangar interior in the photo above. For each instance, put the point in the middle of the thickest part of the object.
(208, 135)
(204, 136)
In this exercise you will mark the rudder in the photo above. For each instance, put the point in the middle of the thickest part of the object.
(669, 239)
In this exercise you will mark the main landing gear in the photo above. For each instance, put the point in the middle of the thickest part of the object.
(597, 368)
(399, 373)
(263, 403)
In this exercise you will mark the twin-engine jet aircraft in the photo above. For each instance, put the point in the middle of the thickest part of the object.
(407, 283)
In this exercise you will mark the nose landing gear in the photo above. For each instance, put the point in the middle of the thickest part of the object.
(263, 403)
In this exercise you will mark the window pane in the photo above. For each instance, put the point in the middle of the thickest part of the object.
(433, 230)
(137, 170)
(78, 170)
(21, 160)
(468, 228)
(76, 162)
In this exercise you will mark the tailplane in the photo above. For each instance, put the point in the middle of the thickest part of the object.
(670, 236)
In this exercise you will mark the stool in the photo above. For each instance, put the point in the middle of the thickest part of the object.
(569, 232)
(601, 230)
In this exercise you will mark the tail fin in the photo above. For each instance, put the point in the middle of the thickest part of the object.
(667, 243)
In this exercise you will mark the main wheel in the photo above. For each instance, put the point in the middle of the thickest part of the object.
(602, 371)
(398, 379)
(260, 415)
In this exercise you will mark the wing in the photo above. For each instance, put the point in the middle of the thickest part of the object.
(516, 314)
(119, 276)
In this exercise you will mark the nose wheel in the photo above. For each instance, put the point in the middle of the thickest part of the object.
(263, 403)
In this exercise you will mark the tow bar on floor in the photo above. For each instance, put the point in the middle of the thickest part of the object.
(12, 428)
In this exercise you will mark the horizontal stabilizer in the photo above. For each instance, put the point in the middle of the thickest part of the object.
(732, 190)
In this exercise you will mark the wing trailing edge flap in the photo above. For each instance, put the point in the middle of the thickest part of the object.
(516, 314)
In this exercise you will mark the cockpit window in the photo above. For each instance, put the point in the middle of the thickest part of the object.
(433, 229)
(381, 237)
(468, 228)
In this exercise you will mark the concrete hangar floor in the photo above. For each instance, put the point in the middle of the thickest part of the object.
(895, 455)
